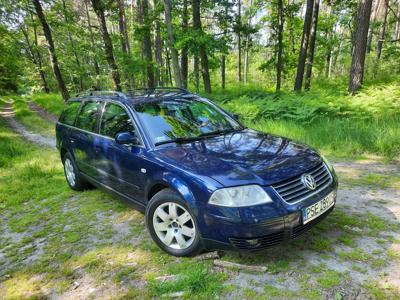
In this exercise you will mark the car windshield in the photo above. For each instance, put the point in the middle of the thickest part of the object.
(183, 120)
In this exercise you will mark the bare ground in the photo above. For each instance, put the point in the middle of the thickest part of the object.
(42, 112)
(8, 115)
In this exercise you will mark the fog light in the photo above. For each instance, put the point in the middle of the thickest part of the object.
(253, 242)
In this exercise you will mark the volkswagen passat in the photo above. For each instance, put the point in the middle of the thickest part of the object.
(203, 180)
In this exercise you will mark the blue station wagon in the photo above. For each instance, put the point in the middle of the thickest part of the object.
(203, 180)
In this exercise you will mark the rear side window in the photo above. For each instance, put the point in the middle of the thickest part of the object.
(114, 120)
(69, 113)
(87, 118)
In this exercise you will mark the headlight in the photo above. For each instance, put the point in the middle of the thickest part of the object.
(240, 196)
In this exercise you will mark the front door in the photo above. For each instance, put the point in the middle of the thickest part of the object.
(119, 166)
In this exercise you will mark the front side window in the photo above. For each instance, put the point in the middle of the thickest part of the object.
(114, 120)
(87, 118)
(69, 113)
(171, 120)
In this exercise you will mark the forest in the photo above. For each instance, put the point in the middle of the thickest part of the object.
(71, 46)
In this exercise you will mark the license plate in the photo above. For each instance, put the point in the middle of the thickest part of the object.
(318, 208)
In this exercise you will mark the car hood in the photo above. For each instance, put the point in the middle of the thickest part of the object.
(244, 157)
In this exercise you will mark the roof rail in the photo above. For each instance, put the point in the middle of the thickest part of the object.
(157, 91)
(100, 93)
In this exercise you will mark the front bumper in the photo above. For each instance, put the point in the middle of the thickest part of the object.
(291, 229)
(258, 228)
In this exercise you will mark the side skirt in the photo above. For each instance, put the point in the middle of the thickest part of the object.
(137, 205)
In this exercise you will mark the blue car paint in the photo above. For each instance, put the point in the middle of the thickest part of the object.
(195, 170)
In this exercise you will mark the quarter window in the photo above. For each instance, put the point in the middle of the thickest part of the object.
(69, 113)
(114, 120)
(87, 118)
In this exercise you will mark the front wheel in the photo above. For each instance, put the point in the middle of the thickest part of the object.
(172, 225)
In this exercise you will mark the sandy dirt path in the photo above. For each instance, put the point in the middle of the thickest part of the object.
(8, 115)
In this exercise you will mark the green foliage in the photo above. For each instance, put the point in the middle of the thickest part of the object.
(10, 66)
(325, 118)
(53, 103)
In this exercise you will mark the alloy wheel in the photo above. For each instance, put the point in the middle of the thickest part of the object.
(174, 225)
(69, 172)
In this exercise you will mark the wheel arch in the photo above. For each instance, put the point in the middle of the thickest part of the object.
(175, 183)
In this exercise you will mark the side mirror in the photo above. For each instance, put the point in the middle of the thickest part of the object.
(235, 116)
(125, 138)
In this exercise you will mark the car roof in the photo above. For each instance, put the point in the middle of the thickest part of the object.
(137, 96)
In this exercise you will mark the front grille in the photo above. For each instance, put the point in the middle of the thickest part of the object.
(259, 243)
(293, 190)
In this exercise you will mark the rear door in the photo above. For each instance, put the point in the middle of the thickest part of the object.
(84, 137)
(119, 165)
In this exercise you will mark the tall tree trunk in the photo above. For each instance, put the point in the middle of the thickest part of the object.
(312, 45)
(328, 53)
(158, 46)
(72, 44)
(291, 30)
(223, 67)
(280, 46)
(382, 30)
(397, 28)
(140, 23)
(132, 22)
(304, 45)
(40, 59)
(239, 42)
(196, 72)
(184, 52)
(33, 52)
(360, 47)
(123, 36)
(174, 52)
(168, 66)
(223, 58)
(246, 48)
(147, 44)
(203, 52)
(52, 50)
(92, 42)
(375, 9)
(123, 33)
(108, 47)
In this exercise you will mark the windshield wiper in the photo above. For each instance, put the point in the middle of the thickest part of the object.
(179, 140)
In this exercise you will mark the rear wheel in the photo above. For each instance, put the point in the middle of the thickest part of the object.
(172, 225)
(72, 174)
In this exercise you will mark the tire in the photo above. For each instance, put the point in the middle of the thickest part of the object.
(183, 226)
(72, 174)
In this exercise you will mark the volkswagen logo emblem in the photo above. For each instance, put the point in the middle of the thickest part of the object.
(308, 181)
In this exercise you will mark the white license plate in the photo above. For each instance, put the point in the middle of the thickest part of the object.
(318, 208)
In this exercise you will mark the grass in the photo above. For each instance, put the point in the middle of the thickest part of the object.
(53, 102)
(330, 279)
(376, 180)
